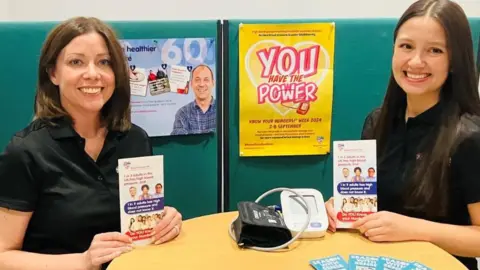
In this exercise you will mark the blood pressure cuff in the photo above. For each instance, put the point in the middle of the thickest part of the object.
(260, 226)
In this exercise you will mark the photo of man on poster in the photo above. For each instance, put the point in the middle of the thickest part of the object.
(198, 116)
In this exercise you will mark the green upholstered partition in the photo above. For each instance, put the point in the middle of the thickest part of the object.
(363, 50)
(191, 162)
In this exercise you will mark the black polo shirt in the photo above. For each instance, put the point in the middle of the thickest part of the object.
(46, 170)
(404, 145)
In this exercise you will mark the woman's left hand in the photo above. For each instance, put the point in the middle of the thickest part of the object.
(169, 226)
(386, 226)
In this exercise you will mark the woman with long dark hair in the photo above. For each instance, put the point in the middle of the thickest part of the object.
(428, 136)
(59, 195)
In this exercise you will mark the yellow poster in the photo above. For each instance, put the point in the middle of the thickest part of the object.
(286, 88)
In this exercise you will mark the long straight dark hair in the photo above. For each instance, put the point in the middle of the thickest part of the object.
(428, 190)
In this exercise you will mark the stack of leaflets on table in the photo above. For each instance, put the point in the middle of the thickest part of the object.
(364, 262)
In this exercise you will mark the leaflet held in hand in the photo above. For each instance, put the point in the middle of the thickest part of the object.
(141, 196)
(355, 180)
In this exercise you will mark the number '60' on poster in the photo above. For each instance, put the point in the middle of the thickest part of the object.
(286, 88)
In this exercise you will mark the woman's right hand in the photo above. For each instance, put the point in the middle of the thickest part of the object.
(332, 218)
(106, 247)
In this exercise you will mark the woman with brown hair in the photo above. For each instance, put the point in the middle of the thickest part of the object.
(59, 201)
(428, 136)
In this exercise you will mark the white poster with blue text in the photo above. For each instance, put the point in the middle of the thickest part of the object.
(172, 85)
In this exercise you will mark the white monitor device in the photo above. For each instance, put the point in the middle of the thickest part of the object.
(295, 214)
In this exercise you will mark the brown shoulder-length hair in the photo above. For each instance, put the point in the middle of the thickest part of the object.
(116, 112)
(428, 190)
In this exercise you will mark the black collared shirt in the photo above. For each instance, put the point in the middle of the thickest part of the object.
(46, 170)
(404, 146)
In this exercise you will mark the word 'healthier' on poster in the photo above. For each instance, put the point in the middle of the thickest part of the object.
(172, 83)
(286, 88)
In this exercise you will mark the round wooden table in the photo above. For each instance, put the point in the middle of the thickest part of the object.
(205, 243)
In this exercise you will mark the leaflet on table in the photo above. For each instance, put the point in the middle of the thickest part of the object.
(418, 266)
(141, 196)
(365, 262)
(355, 181)
(387, 263)
(362, 262)
(335, 262)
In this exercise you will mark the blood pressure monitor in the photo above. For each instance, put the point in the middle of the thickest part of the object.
(295, 214)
